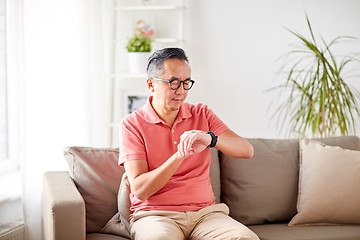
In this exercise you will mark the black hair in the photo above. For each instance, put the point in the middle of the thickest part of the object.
(156, 60)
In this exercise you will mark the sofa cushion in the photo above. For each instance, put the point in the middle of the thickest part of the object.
(329, 185)
(97, 176)
(264, 189)
(284, 232)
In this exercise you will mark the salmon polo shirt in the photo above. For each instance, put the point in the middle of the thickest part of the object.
(143, 135)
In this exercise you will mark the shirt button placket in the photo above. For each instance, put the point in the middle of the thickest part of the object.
(173, 136)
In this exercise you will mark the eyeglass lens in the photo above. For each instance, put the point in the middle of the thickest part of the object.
(175, 84)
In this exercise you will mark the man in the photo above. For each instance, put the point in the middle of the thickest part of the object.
(164, 147)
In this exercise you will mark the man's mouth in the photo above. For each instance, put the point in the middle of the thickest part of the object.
(178, 99)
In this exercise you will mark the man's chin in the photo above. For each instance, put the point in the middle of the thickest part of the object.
(174, 108)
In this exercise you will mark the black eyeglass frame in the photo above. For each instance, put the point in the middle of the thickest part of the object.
(180, 81)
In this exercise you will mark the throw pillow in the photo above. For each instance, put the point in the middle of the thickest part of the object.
(329, 180)
(97, 176)
(119, 224)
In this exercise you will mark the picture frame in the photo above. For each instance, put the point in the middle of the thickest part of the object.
(134, 100)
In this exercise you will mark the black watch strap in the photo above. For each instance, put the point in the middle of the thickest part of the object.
(214, 139)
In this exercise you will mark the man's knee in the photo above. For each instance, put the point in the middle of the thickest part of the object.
(155, 228)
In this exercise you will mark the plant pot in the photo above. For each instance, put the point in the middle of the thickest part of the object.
(138, 62)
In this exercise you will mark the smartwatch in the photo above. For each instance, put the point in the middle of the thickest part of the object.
(214, 139)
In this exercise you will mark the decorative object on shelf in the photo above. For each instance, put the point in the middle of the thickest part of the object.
(319, 101)
(139, 47)
(143, 29)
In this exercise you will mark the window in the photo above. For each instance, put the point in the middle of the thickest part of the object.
(4, 139)
(10, 99)
(9, 85)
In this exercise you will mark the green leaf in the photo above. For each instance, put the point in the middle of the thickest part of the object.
(319, 101)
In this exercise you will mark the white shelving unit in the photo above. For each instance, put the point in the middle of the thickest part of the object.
(167, 19)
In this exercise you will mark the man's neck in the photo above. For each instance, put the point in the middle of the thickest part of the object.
(167, 115)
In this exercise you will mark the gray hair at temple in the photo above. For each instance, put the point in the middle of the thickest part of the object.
(156, 60)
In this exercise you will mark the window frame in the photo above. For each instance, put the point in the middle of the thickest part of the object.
(13, 73)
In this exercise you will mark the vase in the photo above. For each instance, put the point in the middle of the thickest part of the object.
(138, 62)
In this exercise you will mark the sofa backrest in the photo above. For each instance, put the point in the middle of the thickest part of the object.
(264, 189)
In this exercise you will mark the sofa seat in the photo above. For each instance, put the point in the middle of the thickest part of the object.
(282, 231)
(102, 236)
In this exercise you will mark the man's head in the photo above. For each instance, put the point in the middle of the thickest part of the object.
(156, 60)
(169, 78)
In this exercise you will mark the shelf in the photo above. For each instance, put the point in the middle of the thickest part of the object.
(167, 40)
(148, 8)
(156, 40)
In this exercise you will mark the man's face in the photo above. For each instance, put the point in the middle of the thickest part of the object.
(163, 94)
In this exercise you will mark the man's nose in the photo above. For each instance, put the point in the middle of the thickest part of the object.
(181, 89)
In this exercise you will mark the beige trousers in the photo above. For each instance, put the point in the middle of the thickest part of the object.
(210, 222)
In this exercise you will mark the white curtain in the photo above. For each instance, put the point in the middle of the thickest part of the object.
(64, 90)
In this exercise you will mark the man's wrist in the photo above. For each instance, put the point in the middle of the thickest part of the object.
(214, 139)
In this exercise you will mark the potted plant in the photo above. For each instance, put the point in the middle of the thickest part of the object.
(139, 48)
(319, 102)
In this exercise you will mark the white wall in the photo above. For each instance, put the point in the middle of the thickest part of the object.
(233, 45)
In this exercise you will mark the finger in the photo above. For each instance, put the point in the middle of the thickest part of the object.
(183, 141)
(185, 145)
(180, 150)
(191, 138)
(190, 141)
(181, 144)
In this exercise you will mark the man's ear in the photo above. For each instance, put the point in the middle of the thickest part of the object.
(150, 84)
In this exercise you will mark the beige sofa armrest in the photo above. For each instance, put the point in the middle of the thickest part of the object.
(63, 208)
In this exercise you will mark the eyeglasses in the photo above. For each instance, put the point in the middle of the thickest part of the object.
(175, 83)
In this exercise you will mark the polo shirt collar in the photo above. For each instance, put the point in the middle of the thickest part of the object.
(151, 116)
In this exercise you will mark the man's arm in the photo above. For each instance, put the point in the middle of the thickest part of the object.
(145, 183)
(234, 146)
(228, 142)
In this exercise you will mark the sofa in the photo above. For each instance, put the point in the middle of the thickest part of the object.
(292, 189)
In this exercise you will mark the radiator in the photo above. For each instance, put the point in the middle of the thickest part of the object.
(13, 231)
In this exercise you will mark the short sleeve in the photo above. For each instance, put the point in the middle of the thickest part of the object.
(215, 124)
(131, 144)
